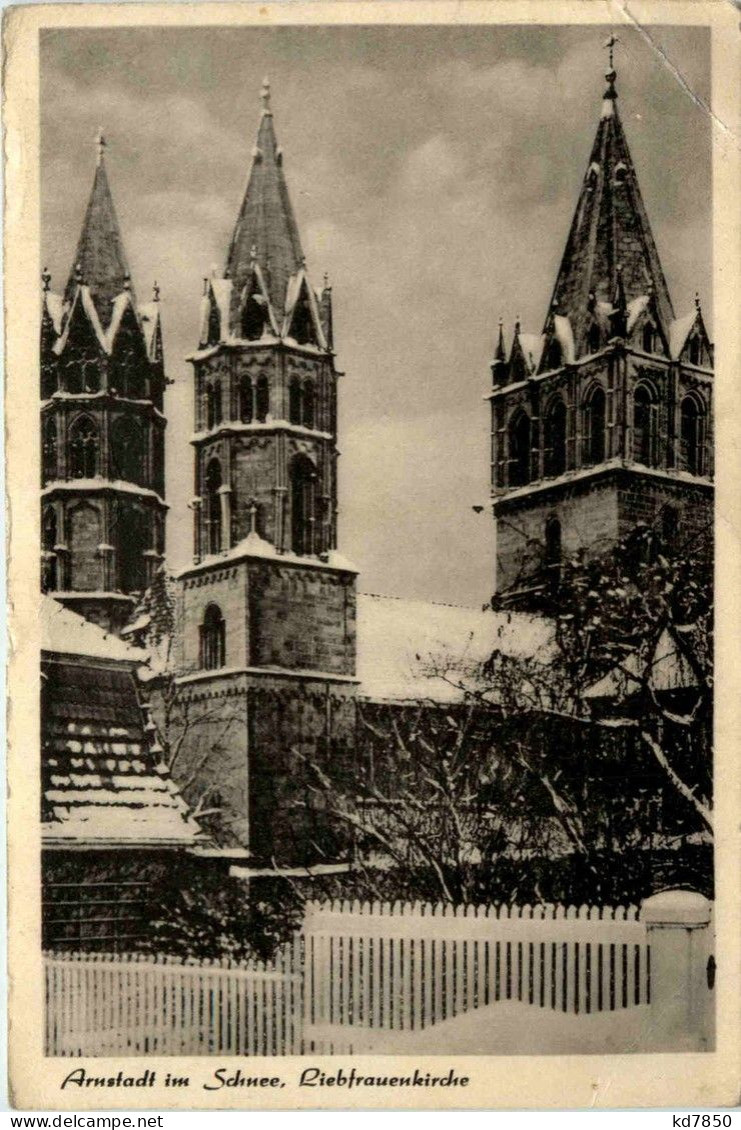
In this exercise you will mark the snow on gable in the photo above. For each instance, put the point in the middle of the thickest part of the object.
(403, 644)
(565, 337)
(679, 331)
(55, 309)
(150, 316)
(636, 306)
(532, 347)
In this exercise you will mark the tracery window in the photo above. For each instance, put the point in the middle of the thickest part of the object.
(83, 448)
(519, 450)
(555, 438)
(692, 435)
(645, 411)
(246, 405)
(262, 399)
(594, 426)
(303, 504)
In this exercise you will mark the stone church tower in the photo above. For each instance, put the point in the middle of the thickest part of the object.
(268, 607)
(102, 426)
(604, 421)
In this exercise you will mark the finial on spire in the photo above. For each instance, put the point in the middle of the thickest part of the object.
(46, 279)
(253, 255)
(155, 292)
(326, 280)
(78, 273)
(205, 285)
(697, 300)
(517, 325)
(252, 511)
(610, 74)
(265, 95)
(100, 143)
(500, 353)
(127, 281)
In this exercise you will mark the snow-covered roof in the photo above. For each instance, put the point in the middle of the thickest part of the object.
(402, 645)
(255, 546)
(65, 632)
(679, 331)
(668, 669)
(55, 309)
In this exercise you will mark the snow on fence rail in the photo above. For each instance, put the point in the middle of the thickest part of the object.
(403, 967)
(135, 1004)
(399, 967)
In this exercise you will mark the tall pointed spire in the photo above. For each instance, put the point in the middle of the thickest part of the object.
(610, 228)
(266, 230)
(100, 261)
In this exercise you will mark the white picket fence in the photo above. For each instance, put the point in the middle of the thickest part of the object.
(130, 1004)
(361, 973)
(405, 967)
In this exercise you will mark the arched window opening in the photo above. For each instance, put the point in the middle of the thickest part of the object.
(127, 450)
(593, 338)
(519, 450)
(132, 541)
(253, 319)
(555, 354)
(213, 506)
(692, 428)
(594, 427)
(210, 411)
(302, 323)
(49, 450)
(695, 350)
(213, 639)
(648, 338)
(262, 399)
(49, 581)
(303, 503)
(217, 405)
(294, 401)
(246, 405)
(644, 426)
(669, 526)
(308, 406)
(553, 548)
(83, 449)
(555, 438)
(620, 172)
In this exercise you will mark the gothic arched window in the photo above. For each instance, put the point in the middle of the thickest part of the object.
(308, 405)
(555, 438)
(83, 449)
(49, 450)
(213, 405)
(253, 319)
(594, 426)
(246, 406)
(83, 532)
(127, 450)
(262, 399)
(294, 401)
(519, 449)
(49, 580)
(645, 411)
(303, 503)
(213, 506)
(553, 550)
(213, 639)
(692, 435)
(695, 353)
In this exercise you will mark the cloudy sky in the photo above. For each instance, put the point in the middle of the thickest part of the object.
(433, 171)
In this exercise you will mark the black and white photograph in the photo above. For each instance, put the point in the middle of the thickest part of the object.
(376, 533)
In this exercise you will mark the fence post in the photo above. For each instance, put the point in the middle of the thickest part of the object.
(681, 941)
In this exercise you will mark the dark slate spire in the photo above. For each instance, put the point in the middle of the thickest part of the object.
(610, 230)
(266, 222)
(100, 260)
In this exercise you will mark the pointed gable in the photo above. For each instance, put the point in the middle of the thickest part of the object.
(100, 261)
(266, 228)
(610, 236)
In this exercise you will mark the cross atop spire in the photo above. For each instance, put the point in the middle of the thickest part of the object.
(101, 144)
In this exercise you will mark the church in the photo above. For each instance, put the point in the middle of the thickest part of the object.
(601, 421)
